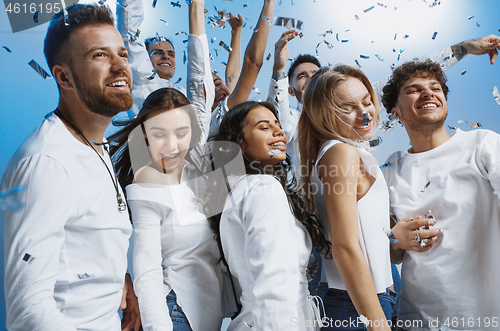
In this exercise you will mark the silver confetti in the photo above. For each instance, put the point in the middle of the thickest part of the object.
(496, 95)
(289, 23)
(39, 69)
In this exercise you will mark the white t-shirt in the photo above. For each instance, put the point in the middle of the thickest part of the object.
(373, 218)
(267, 250)
(458, 278)
(66, 251)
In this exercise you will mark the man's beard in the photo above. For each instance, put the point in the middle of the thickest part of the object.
(101, 101)
(429, 126)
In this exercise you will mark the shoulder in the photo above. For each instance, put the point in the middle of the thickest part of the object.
(341, 154)
(148, 175)
(260, 187)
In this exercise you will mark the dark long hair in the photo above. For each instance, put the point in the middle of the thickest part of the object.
(231, 130)
(130, 139)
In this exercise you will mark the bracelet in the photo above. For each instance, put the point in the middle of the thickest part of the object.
(279, 75)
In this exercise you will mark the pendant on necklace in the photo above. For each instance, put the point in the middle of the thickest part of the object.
(121, 203)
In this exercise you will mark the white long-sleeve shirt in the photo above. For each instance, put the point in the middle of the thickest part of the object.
(66, 251)
(268, 251)
(174, 248)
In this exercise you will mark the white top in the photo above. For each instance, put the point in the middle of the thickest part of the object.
(289, 116)
(373, 218)
(217, 115)
(267, 250)
(172, 233)
(459, 276)
(66, 251)
(130, 15)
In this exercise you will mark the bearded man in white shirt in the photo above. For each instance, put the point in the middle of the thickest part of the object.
(450, 271)
(66, 250)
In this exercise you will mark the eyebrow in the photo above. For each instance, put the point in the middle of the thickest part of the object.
(162, 129)
(434, 82)
(267, 122)
(367, 95)
(104, 48)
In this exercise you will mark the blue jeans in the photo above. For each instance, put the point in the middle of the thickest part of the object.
(177, 315)
(179, 319)
(341, 314)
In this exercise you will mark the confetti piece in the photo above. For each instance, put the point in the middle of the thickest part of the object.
(215, 71)
(390, 235)
(478, 25)
(38, 69)
(470, 17)
(11, 199)
(224, 63)
(176, 4)
(357, 17)
(161, 19)
(366, 118)
(496, 95)
(267, 19)
(434, 35)
(364, 319)
(368, 9)
(225, 46)
(451, 127)
(289, 23)
(256, 89)
(462, 121)
(463, 72)
(426, 186)
(178, 81)
(216, 52)
(274, 152)
(357, 63)
(7, 49)
(375, 142)
(390, 124)
(152, 76)
(395, 35)
(211, 57)
(387, 164)
(476, 125)
(268, 56)
(328, 44)
(213, 40)
(245, 5)
(406, 36)
(35, 17)
(28, 258)
(364, 56)
(379, 57)
(154, 3)
(83, 276)
(184, 58)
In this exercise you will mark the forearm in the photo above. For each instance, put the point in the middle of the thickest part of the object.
(254, 56)
(233, 67)
(357, 279)
(196, 18)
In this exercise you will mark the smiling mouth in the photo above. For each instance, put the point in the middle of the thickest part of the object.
(364, 127)
(170, 158)
(165, 65)
(428, 106)
(117, 84)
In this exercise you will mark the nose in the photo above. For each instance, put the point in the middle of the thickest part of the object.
(427, 92)
(164, 55)
(278, 131)
(119, 63)
(170, 145)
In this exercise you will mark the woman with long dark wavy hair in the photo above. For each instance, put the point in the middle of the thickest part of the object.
(265, 231)
(175, 254)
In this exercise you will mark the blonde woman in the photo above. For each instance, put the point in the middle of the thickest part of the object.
(340, 112)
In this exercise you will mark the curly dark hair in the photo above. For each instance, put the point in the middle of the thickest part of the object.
(231, 130)
(404, 72)
(302, 58)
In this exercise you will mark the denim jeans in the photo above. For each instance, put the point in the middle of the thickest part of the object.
(179, 319)
(341, 314)
(177, 315)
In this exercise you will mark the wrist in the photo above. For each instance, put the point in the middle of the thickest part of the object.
(280, 74)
